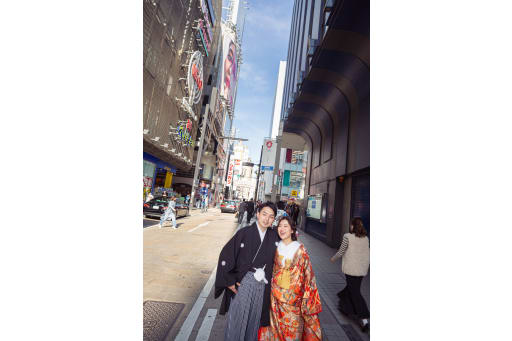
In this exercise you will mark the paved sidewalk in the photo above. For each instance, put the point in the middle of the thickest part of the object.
(330, 280)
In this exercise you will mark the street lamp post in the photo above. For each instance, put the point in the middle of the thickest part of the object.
(258, 179)
(198, 159)
(275, 174)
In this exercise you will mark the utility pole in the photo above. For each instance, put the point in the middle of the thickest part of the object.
(275, 183)
(258, 180)
(198, 159)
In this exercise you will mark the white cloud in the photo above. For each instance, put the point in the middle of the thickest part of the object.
(271, 19)
(248, 73)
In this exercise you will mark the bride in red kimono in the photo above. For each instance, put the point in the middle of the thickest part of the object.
(294, 301)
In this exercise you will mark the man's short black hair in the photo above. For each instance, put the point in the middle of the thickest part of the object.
(281, 205)
(268, 204)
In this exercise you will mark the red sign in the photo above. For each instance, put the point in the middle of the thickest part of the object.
(230, 173)
(197, 79)
(148, 181)
(189, 125)
(269, 144)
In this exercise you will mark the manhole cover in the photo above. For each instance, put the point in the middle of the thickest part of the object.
(351, 332)
(159, 318)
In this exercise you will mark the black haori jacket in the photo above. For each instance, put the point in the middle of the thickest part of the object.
(236, 259)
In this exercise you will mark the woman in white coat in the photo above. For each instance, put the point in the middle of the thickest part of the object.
(355, 250)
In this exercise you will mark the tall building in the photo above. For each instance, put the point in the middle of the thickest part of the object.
(179, 43)
(232, 36)
(278, 101)
(326, 101)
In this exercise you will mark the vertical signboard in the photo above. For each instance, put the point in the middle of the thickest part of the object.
(195, 77)
(230, 173)
(268, 156)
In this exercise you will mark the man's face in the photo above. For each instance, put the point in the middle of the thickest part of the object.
(265, 217)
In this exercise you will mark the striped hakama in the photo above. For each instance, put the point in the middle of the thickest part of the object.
(244, 313)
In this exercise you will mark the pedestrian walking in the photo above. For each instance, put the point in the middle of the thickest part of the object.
(204, 204)
(243, 277)
(241, 211)
(170, 213)
(250, 210)
(355, 250)
(295, 213)
(280, 212)
(294, 301)
(187, 199)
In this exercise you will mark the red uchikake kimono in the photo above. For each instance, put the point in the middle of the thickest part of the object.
(294, 301)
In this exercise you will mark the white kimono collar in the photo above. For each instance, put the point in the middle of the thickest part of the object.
(287, 251)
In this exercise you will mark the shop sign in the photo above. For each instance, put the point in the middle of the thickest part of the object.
(184, 133)
(294, 193)
(202, 34)
(195, 77)
(206, 16)
(230, 173)
(148, 181)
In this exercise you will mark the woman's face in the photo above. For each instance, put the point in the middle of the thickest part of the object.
(284, 229)
(228, 67)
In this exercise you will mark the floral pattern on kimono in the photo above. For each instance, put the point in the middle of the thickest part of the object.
(295, 302)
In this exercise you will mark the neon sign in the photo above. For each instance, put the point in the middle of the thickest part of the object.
(206, 15)
(184, 133)
(195, 77)
(202, 34)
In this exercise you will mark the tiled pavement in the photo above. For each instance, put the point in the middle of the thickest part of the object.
(330, 281)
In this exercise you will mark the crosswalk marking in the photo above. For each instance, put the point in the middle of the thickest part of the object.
(206, 327)
(191, 319)
(198, 226)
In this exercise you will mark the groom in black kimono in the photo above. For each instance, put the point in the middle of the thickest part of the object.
(244, 273)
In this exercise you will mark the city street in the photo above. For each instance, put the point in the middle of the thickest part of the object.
(179, 268)
(147, 222)
(280, 115)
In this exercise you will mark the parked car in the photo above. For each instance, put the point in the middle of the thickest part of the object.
(237, 202)
(228, 206)
(157, 206)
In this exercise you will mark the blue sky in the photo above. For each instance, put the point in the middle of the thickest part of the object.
(265, 43)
